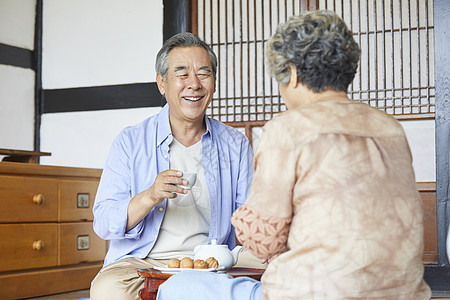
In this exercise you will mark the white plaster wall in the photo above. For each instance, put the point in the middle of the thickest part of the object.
(421, 139)
(94, 43)
(17, 84)
(17, 23)
(16, 108)
(83, 139)
(101, 42)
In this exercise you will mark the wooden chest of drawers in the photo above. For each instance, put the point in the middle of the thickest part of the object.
(47, 244)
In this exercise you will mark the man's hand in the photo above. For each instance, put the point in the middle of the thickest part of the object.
(165, 186)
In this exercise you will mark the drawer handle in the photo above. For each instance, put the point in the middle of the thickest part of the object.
(38, 199)
(38, 245)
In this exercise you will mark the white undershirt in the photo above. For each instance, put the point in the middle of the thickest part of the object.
(186, 221)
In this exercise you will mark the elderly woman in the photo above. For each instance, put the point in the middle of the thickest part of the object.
(333, 204)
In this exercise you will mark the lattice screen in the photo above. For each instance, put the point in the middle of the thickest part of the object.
(395, 36)
(397, 61)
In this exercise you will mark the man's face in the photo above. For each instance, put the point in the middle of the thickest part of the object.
(190, 84)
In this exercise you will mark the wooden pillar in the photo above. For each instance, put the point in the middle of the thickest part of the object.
(442, 123)
(38, 92)
(177, 17)
(194, 17)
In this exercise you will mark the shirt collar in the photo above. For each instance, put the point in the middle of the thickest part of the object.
(164, 130)
(208, 128)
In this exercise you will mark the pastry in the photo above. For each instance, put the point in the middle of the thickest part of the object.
(200, 264)
(173, 263)
(186, 263)
(212, 262)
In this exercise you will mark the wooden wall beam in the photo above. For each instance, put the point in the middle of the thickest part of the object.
(441, 11)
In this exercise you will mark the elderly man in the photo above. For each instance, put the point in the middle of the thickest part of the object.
(143, 205)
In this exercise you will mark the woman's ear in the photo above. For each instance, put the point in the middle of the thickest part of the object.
(161, 83)
(293, 78)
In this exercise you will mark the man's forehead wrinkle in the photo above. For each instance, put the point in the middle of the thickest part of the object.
(181, 68)
(206, 68)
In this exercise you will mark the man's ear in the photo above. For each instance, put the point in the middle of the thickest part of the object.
(161, 84)
(293, 82)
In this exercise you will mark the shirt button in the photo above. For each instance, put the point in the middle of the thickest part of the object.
(161, 209)
(165, 156)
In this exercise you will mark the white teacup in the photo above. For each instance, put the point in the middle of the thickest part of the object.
(191, 178)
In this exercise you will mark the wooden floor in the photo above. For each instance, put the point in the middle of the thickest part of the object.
(440, 295)
(82, 294)
(85, 294)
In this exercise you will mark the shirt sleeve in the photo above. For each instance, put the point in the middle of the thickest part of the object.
(114, 195)
(262, 224)
(242, 182)
(245, 173)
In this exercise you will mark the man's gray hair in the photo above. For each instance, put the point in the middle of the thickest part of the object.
(185, 39)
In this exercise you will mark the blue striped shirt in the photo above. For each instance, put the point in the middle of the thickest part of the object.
(138, 154)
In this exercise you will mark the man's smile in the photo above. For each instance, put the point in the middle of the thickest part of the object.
(192, 99)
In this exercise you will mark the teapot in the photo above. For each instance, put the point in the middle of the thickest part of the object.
(221, 253)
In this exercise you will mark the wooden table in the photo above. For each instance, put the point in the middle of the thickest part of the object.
(154, 278)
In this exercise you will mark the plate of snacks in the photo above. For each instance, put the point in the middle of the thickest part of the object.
(176, 265)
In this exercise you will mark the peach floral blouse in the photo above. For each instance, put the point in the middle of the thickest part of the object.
(334, 192)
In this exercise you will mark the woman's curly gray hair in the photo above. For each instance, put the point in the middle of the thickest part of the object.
(320, 46)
